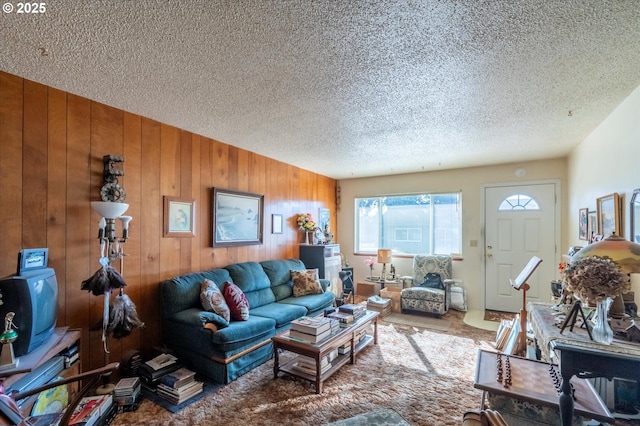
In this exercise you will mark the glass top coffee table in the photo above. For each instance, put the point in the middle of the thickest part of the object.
(317, 351)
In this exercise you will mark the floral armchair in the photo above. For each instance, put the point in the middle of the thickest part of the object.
(423, 297)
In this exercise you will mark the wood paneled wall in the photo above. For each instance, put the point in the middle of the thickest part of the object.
(51, 149)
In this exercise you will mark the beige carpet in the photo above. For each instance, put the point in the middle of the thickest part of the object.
(425, 375)
(423, 321)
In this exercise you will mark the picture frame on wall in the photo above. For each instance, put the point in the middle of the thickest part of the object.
(276, 223)
(583, 224)
(324, 219)
(237, 218)
(179, 217)
(608, 214)
(592, 225)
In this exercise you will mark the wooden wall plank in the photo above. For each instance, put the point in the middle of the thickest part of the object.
(11, 113)
(170, 158)
(34, 166)
(57, 184)
(186, 183)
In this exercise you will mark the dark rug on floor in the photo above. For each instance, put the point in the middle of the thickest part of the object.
(207, 388)
(497, 316)
(383, 417)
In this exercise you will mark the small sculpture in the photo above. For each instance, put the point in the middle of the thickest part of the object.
(8, 336)
(328, 235)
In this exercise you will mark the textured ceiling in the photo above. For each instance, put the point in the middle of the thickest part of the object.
(346, 88)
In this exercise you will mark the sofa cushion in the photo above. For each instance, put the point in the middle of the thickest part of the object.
(282, 313)
(237, 301)
(212, 299)
(253, 281)
(306, 282)
(279, 273)
(198, 317)
(314, 303)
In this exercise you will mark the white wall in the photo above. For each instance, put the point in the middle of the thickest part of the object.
(470, 181)
(607, 161)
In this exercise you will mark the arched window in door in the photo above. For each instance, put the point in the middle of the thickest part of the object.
(518, 202)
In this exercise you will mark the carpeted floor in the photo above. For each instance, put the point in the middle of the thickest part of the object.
(497, 316)
(424, 375)
(424, 321)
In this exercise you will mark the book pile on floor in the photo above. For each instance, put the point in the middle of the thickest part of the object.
(127, 394)
(312, 329)
(352, 309)
(153, 370)
(379, 304)
(308, 365)
(179, 386)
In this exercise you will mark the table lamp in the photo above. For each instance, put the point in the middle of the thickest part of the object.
(384, 257)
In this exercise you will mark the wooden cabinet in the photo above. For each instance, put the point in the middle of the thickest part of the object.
(327, 259)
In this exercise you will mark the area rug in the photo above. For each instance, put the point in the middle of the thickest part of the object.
(384, 417)
(425, 375)
(207, 388)
(428, 322)
(497, 316)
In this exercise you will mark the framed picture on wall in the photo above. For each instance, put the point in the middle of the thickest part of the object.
(276, 223)
(608, 214)
(592, 225)
(237, 218)
(583, 224)
(179, 217)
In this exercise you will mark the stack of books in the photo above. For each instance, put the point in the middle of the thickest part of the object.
(308, 365)
(153, 370)
(379, 304)
(312, 330)
(179, 386)
(70, 355)
(127, 393)
(356, 310)
(342, 318)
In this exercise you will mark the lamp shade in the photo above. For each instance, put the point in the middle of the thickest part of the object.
(109, 209)
(384, 255)
(623, 253)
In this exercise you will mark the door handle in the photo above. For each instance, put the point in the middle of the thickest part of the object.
(489, 256)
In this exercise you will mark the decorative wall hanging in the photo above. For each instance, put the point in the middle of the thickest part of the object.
(179, 217)
(608, 214)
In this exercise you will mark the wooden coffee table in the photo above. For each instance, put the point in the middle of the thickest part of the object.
(319, 350)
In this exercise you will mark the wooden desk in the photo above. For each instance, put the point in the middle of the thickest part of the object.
(580, 356)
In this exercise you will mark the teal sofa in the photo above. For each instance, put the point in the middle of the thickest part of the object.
(228, 350)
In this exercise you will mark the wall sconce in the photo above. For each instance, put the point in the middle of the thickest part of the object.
(384, 257)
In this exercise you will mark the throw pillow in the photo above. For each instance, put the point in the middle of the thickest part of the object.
(212, 299)
(433, 280)
(458, 298)
(237, 301)
(306, 282)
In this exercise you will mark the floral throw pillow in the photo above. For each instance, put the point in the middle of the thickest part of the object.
(306, 282)
(237, 301)
(212, 299)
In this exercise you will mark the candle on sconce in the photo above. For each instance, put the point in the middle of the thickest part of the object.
(102, 224)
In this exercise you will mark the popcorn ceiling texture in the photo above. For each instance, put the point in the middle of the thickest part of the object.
(346, 88)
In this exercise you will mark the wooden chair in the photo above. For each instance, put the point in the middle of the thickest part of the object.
(10, 413)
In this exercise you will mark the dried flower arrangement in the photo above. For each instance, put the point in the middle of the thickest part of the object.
(594, 279)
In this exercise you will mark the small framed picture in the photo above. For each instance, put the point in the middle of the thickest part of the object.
(583, 224)
(276, 223)
(608, 214)
(179, 217)
(592, 225)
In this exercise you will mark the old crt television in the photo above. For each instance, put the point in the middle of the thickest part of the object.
(32, 294)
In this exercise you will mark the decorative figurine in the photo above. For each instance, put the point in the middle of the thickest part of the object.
(328, 235)
(8, 336)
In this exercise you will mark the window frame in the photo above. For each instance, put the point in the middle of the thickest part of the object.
(432, 226)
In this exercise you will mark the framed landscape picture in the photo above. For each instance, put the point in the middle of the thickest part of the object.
(583, 224)
(237, 218)
(608, 214)
(179, 217)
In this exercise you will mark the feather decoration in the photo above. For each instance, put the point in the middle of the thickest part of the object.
(123, 317)
(103, 280)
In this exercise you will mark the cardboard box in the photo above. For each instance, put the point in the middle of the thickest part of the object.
(367, 289)
(392, 293)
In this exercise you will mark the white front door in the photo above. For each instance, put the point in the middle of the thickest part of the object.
(520, 222)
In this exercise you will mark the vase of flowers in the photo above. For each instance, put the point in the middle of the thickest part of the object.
(306, 224)
(597, 280)
(369, 262)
